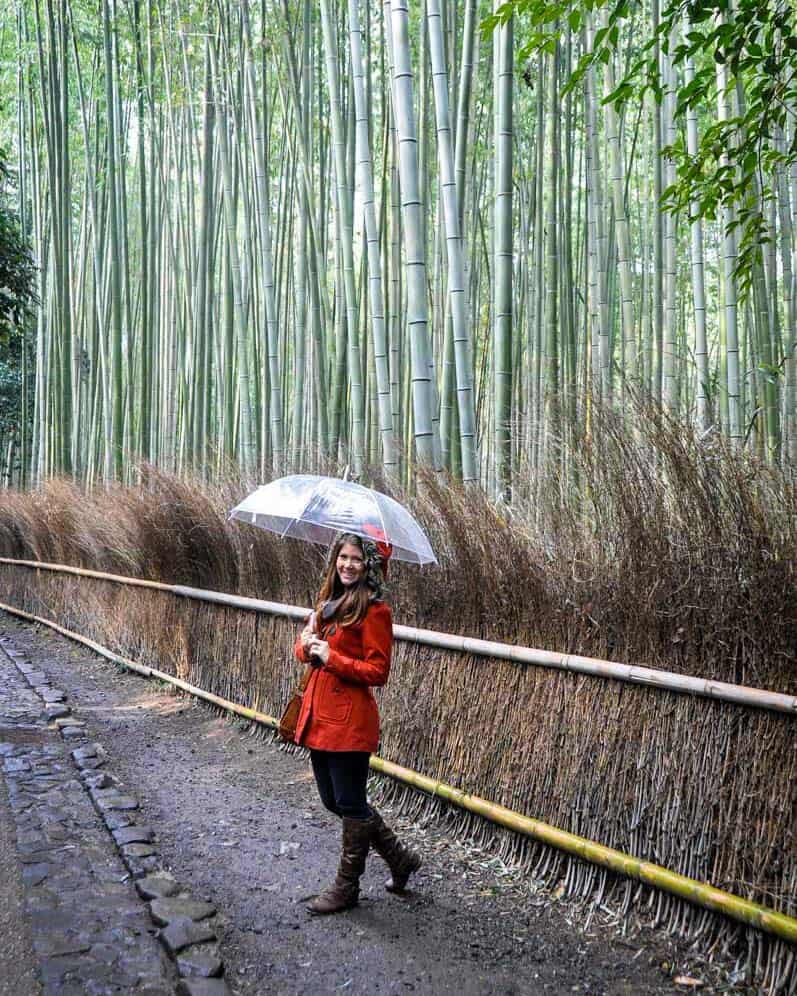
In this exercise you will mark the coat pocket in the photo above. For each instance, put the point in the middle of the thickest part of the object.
(333, 701)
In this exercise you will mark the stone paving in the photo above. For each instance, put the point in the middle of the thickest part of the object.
(94, 894)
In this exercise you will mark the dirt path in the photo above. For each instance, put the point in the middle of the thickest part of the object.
(238, 821)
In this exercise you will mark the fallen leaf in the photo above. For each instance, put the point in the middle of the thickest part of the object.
(687, 980)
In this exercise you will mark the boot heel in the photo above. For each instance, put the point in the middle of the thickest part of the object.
(401, 861)
(398, 880)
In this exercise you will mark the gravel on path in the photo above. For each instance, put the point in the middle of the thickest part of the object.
(237, 819)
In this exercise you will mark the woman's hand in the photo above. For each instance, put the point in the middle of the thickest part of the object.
(319, 649)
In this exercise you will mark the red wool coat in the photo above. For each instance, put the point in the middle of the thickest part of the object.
(339, 711)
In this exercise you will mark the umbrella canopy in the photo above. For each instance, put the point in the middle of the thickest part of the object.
(309, 507)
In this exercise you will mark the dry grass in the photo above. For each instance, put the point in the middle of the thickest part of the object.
(661, 551)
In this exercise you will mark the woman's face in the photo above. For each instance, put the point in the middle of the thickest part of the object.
(350, 564)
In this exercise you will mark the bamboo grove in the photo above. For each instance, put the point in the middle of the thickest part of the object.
(286, 234)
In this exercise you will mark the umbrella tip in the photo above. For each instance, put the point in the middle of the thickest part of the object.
(346, 473)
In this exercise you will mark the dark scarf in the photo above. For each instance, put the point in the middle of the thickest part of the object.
(330, 608)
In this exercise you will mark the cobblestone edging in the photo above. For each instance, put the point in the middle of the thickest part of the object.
(90, 931)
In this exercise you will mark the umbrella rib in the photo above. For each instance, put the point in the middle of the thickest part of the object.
(299, 517)
(382, 518)
(285, 530)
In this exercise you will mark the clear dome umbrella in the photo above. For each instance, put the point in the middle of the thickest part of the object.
(313, 508)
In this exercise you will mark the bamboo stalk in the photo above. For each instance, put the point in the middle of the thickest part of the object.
(742, 695)
(698, 893)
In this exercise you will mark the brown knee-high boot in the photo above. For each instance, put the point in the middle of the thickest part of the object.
(401, 861)
(345, 890)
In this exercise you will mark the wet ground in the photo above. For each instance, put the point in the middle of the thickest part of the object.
(237, 820)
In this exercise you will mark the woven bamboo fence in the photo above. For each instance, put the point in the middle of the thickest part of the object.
(703, 787)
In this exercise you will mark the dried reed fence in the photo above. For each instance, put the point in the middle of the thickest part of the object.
(705, 788)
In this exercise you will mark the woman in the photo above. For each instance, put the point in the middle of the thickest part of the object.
(348, 640)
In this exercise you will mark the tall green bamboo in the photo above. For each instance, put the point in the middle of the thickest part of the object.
(397, 17)
(669, 376)
(345, 210)
(698, 280)
(246, 446)
(502, 325)
(269, 304)
(374, 261)
(454, 250)
(729, 253)
(623, 237)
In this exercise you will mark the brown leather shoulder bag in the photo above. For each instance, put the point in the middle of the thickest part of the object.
(290, 717)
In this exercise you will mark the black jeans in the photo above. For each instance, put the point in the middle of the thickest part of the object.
(341, 777)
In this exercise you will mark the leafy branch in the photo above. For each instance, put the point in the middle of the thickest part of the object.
(756, 42)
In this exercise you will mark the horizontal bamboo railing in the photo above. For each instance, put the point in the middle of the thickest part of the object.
(700, 894)
(635, 674)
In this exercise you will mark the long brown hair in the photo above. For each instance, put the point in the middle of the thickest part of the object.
(355, 599)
